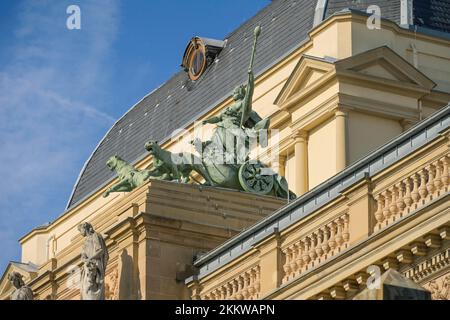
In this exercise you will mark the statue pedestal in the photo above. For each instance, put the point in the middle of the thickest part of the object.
(163, 225)
(394, 286)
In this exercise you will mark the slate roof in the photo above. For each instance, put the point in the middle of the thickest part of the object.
(390, 9)
(284, 24)
(176, 103)
(434, 14)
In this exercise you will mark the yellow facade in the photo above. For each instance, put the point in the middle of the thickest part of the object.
(336, 98)
(397, 219)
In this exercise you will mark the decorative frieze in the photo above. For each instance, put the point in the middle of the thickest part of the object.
(112, 285)
(440, 287)
(316, 247)
(246, 286)
(413, 192)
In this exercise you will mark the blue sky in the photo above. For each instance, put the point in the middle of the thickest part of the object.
(61, 90)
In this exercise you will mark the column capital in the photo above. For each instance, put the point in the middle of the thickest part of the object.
(340, 112)
(300, 135)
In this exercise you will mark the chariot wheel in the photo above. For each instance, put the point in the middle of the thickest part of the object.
(253, 179)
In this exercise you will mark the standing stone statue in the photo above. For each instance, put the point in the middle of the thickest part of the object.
(95, 257)
(22, 292)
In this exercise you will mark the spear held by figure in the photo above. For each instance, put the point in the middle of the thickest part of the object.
(247, 103)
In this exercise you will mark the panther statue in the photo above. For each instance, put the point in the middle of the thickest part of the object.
(129, 177)
(179, 165)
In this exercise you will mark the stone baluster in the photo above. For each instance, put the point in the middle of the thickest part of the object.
(423, 184)
(319, 237)
(253, 283)
(400, 198)
(251, 288)
(408, 197)
(246, 285)
(415, 194)
(438, 177)
(223, 293)
(312, 251)
(218, 294)
(380, 206)
(299, 260)
(430, 183)
(257, 281)
(346, 231)
(234, 286)
(306, 258)
(332, 241)
(294, 254)
(339, 237)
(326, 238)
(445, 177)
(240, 286)
(386, 212)
(393, 203)
(229, 290)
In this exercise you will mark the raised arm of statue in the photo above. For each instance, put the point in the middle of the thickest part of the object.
(247, 102)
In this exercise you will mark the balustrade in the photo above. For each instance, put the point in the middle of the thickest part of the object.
(316, 247)
(412, 192)
(245, 286)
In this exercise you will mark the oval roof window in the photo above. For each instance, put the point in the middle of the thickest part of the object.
(199, 54)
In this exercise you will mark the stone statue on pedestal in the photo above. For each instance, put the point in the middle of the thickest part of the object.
(95, 257)
(22, 292)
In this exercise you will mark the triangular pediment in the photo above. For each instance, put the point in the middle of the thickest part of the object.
(310, 75)
(382, 70)
(307, 74)
(27, 270)
(383, 64)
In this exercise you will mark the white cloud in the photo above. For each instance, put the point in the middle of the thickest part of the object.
(50, 111)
